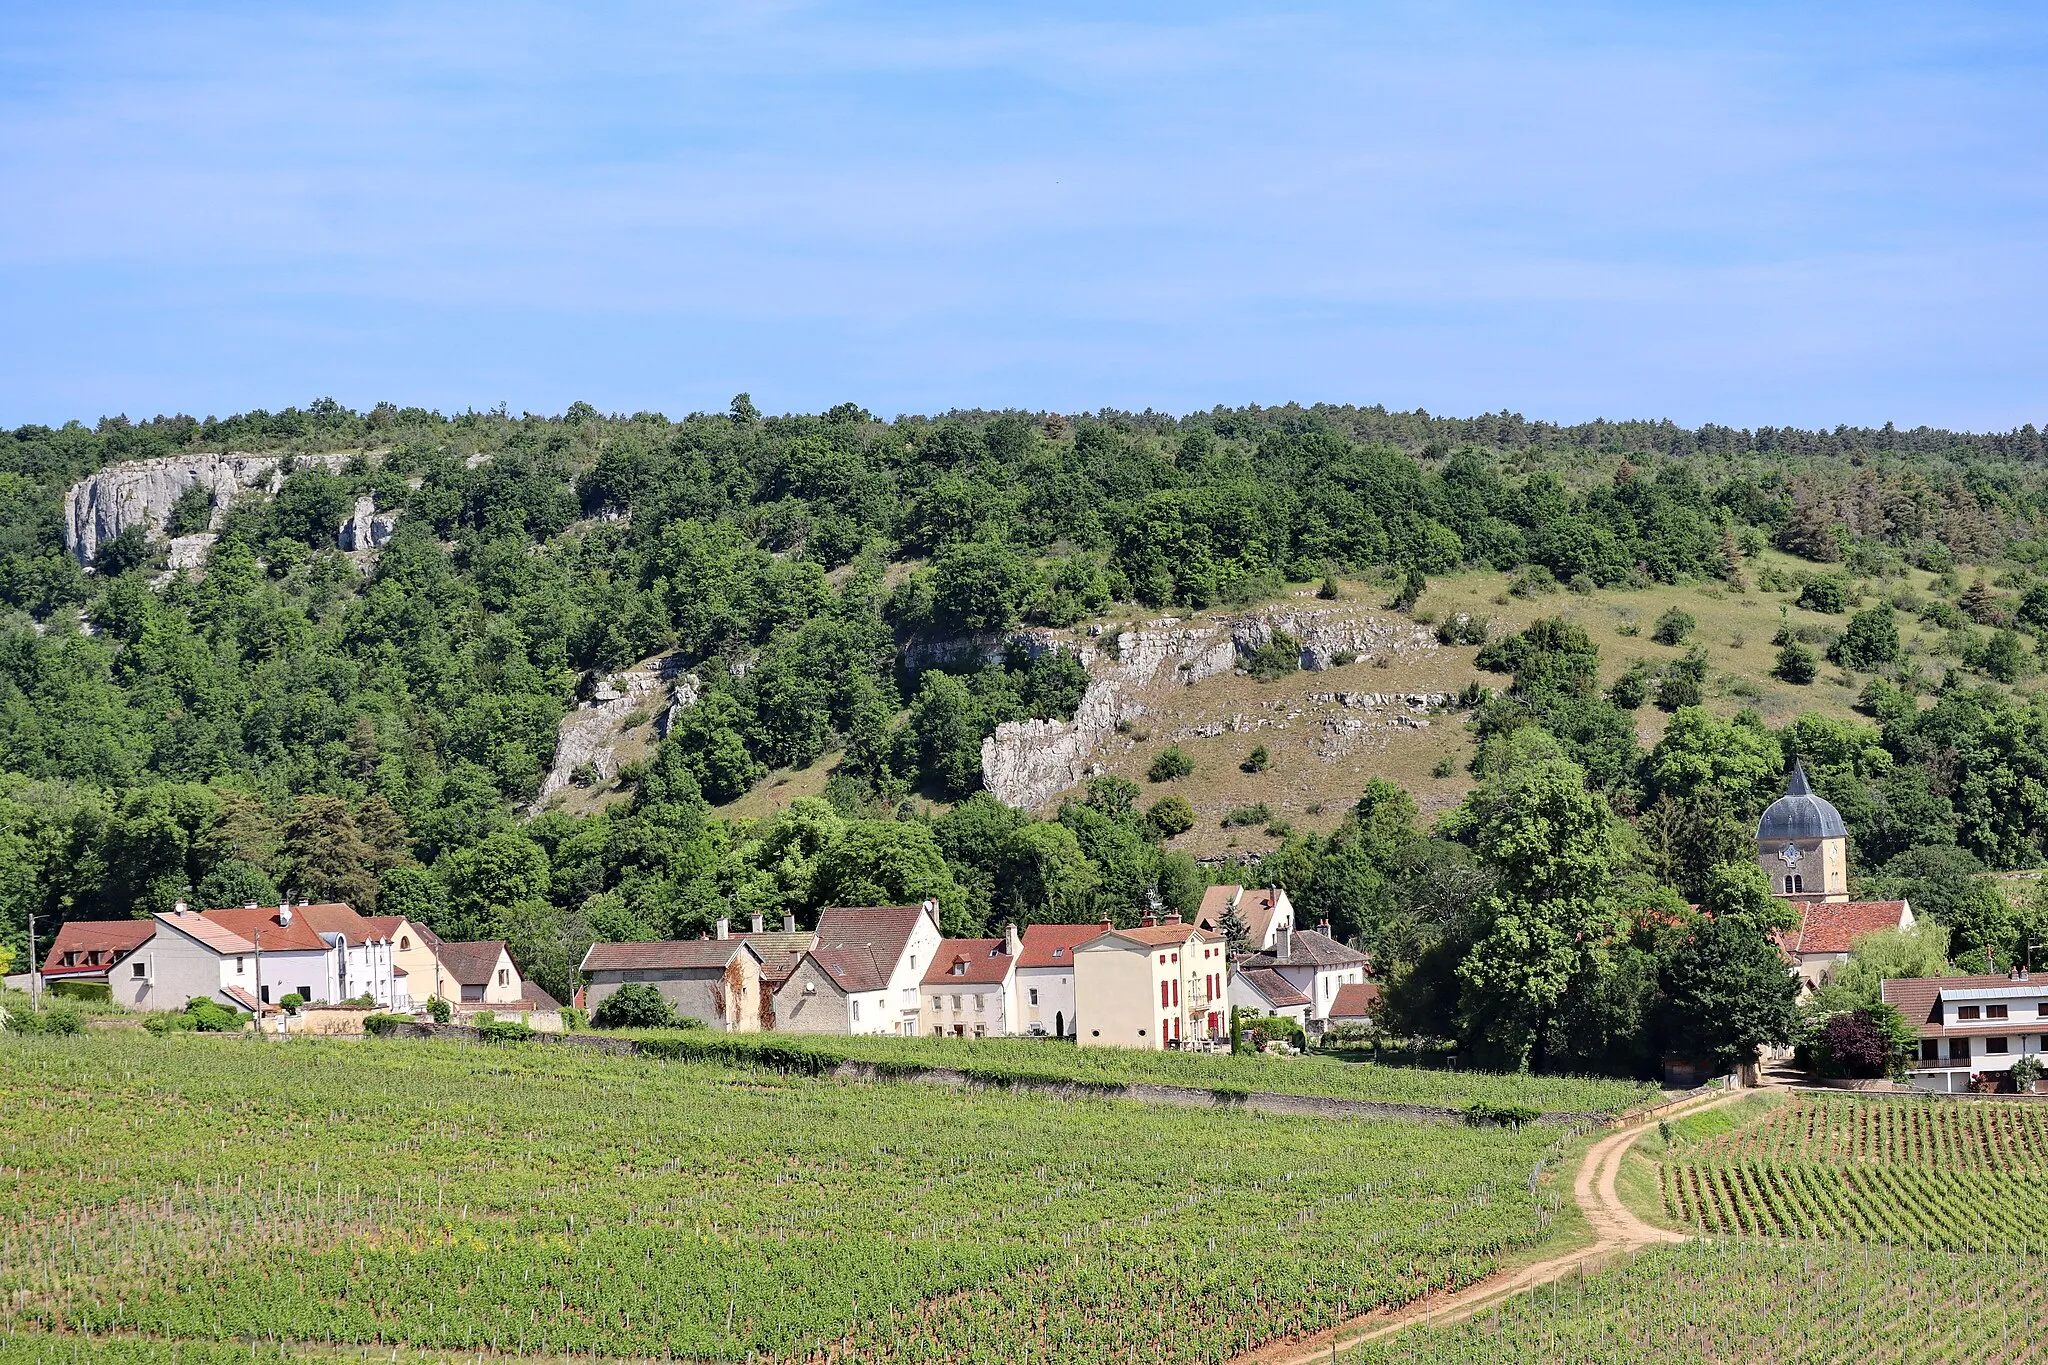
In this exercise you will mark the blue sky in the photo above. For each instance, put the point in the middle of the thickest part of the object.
(1752, 214)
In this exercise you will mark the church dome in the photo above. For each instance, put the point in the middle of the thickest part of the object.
(1799, 814)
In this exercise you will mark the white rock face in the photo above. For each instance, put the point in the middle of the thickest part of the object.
(1027, 763)
(141, 493)
(589, 732)
(189, 552)
(368, 529)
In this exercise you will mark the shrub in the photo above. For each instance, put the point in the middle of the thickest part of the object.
(378, 1025)
(483, 1018)
(1257, 761)
(1170, 816)
(1684, 683)
(634, 1005)
(1257, 814)
(1445, 766)
(60, 1020)
(1531, 580)
(1413, 585)
(1632, 688)
(1871, 641)
(1170, 763)
(574, 1020)
(1343, 658)
(1462, 628)
(2025, 1072)
(1481, 1114)
(1826, 594)
(1673, 626)
(1796, 664)
(292, 1003)
(439, 1010)
(1328, 591)
(505, 1031)
(1276, 658)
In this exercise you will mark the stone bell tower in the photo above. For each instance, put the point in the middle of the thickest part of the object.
(1803, 846)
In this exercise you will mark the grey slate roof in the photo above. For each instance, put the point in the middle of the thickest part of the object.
(1306, 948)
(1799, 814)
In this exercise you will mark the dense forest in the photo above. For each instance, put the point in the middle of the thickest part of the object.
(298, 721)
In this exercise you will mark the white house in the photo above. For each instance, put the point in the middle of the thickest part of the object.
(1161, 985)
(1045, 977)
(1268, 992)
(972, 987)
(1309, 960)
(369, 965)
(902, 939)
(1971, 1027)
(1265, 911)
(244, 958)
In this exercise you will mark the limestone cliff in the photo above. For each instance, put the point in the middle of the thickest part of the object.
(1028, 763)
(142, 492)
(651, 690)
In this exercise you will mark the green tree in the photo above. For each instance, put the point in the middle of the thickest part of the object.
(945, 732)
(1796, 664)
(1674, 626)
(1170, 816)
(1871, 641)
(890, 862)
(1170, 763)
(326, 857)
(1554, 847)
(478, 882)
(1886, 955)
(1050, 880)
(1739, 759)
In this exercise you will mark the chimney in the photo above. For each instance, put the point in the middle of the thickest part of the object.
(724, 927)
(1148, 920)
(178, 908)
(1106, 925)
(760, 924)
(246, 905)
(1172, 917)
(1324, 926)
(1283, 942)
(789, 921)
(1011, 943)
(284, 916)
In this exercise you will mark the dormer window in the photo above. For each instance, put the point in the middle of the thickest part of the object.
(1966, 1012)
(1994, 1011)
(1059, 952)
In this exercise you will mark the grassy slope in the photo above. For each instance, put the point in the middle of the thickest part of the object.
(1311, 792)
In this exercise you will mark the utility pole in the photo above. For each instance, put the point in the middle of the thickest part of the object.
(35, 976)
(259, 985)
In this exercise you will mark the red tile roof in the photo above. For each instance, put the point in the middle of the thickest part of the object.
(884, 930)
(1156, 935)
(1355, 1000)
(332, 917)
(853, 970)
(1274, 988)
(970, 962)
(95, 944)
(245, 922)
(1256, 906)
(1834, 926)
(676, 955)
(1052, 945)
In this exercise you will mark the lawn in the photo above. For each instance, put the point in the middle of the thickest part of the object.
(412, 1196)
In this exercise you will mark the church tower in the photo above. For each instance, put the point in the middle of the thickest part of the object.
(1803, 846)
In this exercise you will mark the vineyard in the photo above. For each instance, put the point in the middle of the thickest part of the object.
(1742, 1300)
(430, 1197)
(1290, 1076)
(1936, 1173)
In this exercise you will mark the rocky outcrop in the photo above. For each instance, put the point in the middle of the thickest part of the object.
(1028, 763)
(142, 493)
(368, 529)
(589, 734)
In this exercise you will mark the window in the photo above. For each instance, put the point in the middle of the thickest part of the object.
(938, 1002)
(980, 1002)
(404, 943)
(1966, 1011)
(1798, 882)
(1176, 994)
(141, 970)
(1959, 1049)
(1994, 1011)
(504, 977)
(956, 1004)
(1163, 1000)
(1930, 1049)
(1034, 995)
(1059, 952)
(240, 963)
(981, 1030)
(1176, 957)
(1994, 1045)
(1788, 886)
(856, 1011)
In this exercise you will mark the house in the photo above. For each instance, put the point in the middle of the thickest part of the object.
(245, 958)
(1312, 962)
(1970, 1027)
(716, 981)
(1264, 910)
(87, 952)
(835, 990)
(1355, 1005)
(1829, 929)
(369, 967)
(413, 960)
(1163, 984)
(1266, 991)
(972, 986)
(483, 973)
(1045, 977)
(902, 939)
(780, 949)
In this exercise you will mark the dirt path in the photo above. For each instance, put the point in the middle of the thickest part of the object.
(1616, 1232)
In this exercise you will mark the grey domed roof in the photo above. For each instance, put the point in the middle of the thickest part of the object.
(1799, 814)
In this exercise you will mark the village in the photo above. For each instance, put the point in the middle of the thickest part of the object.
(1167, 983)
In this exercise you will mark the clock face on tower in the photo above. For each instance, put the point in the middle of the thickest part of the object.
(1790, 854)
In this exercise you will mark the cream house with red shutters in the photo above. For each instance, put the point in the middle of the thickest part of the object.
(1164, 984)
